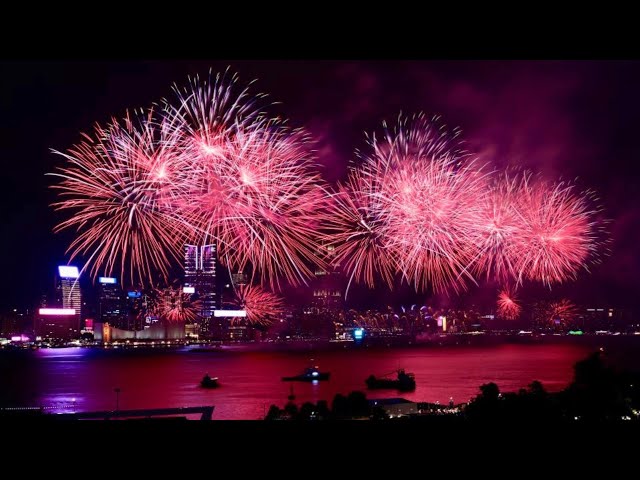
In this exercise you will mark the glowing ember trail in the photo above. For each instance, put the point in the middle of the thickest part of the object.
(508, 307)
(173, 305)
(261, 306)
(558, 234)
(119, 187)
(213, 167)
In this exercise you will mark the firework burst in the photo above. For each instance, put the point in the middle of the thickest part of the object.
(410, 206)
(261, 305)
(260, 200)
(173, 305)
(207, 112)
(558, 234)
(212, 167)
(508, 306)
(354, 225)
(119, 187)
(557, 313)
(495, 235)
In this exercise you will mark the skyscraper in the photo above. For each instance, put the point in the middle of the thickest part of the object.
(200, 273)
(328, 285)
(110, 303)
(69, 287)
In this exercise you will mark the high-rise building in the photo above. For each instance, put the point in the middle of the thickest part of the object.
(200, 273)
(327, 286)
(70, 294)
(111, 307)
(137, 311)
(56, 323)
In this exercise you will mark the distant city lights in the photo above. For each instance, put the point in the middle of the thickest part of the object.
(110, 280)
(358, 333)
(189, 290)
(57, 311)
(67, 271)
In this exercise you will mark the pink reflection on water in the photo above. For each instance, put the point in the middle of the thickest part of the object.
(251, 381)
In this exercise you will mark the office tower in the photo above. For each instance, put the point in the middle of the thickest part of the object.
(56, 323)
(110, 303)
(327, 286)
(70, 294)
(200, 273)
(137, 312)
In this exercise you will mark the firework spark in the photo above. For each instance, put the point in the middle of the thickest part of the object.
(212, 167)
(558, 234)
(173, 305)
(411, 206)
(119, 186)
(497, 229)
(508, 306)
(557, 313)
(259, 199)
(261, 305)
(209, 111)
(354, 226)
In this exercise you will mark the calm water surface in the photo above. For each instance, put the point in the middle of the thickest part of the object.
(84, 379)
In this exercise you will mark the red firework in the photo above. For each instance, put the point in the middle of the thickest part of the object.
(558, 233)
(208, 111)
(557, 313)
(173, 305)
(261, 306)
(354, 225)
(119, 186)
(497, 230)
(259, 198)
(508, 306)
(412, 204)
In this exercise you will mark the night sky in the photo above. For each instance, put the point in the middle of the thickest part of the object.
(563, 119)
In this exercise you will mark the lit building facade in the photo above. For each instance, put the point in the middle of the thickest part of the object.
(111, 307)
(136, 308)
(56, 323)
(70, 295)
(328, 286)
(200, 274)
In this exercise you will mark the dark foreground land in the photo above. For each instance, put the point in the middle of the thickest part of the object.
(599, 393)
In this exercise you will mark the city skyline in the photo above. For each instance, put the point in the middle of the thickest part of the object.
(610, 281)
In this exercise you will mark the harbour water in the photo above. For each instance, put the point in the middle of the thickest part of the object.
(84, 379)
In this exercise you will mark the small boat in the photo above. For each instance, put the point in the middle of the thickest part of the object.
(309, 375)
(405, 382)
(209, 382)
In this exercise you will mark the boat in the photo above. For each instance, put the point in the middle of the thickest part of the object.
(308, 375)
(209, 382)
(405, 382)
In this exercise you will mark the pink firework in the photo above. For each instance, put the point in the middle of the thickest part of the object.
(354, 225)
(208, 111)
(556, 314)
(558, 234)
(259, 198)
(508, 306)
(428, 195)
(497, 230)
(173, 305)
(261, 306)
(119, 187)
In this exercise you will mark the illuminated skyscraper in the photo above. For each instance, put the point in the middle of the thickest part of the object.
(110, 303)
(328, 285)
(70, 294)
(200, 273)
